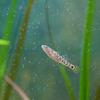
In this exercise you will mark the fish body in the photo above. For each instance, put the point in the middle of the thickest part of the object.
(60, 59)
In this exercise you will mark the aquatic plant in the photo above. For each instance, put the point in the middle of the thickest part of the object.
(6, 35)
(85, 57)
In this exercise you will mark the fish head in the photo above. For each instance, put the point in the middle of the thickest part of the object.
(44, 47)
(48, 51)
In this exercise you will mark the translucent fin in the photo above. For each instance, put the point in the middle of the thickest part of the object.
(76, 69)
(59, 52)
(65, 57)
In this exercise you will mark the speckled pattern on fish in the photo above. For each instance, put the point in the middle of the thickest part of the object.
(55, 56)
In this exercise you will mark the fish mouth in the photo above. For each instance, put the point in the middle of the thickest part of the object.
(43, 46)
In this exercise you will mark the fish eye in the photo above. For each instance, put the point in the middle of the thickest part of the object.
(45, 46)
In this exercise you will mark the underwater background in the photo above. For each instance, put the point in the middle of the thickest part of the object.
(36, 74)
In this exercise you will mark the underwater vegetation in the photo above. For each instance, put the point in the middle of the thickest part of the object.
(9, 62)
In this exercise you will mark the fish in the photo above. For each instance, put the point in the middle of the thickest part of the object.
(60, 59)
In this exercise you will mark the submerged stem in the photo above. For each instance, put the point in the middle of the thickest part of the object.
(17, 89)
(62, 70)
(48, 25)
(85, 61)
(18, 49)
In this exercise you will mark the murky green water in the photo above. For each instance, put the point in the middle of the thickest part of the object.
(38, 75)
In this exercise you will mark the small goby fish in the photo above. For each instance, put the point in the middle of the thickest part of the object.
(60, 59)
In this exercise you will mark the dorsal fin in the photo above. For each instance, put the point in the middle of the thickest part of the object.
(65, 57)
